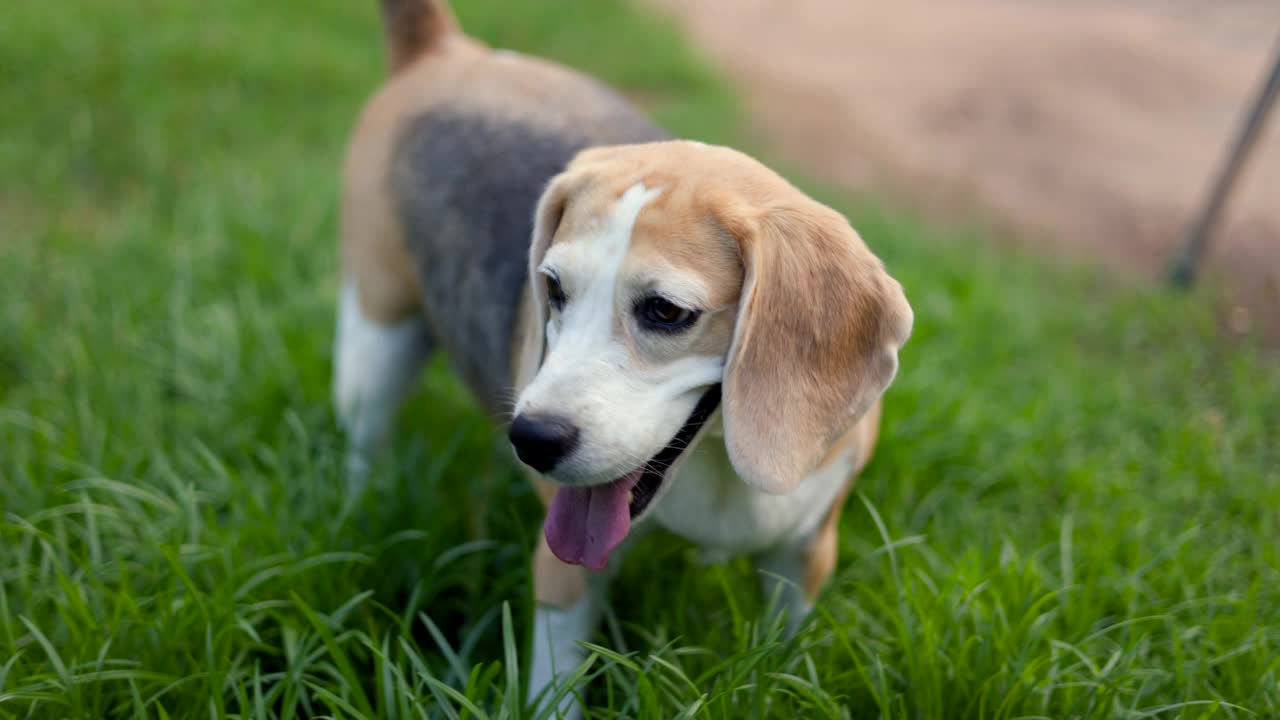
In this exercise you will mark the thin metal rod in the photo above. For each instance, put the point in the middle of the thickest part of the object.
(1187, 266)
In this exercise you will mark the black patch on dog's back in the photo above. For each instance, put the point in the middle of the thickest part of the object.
(466, 186)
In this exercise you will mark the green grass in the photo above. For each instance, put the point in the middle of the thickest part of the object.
(1072, 513)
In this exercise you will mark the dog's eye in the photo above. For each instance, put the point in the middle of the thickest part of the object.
(662, 314)
(555, 293)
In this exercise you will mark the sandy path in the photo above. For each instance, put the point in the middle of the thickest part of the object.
(1091, 126)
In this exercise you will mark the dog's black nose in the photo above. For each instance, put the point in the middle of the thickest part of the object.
(542, 441)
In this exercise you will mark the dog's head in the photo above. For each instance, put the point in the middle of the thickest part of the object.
(663, 276)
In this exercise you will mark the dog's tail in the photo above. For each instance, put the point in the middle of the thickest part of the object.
(414, 28)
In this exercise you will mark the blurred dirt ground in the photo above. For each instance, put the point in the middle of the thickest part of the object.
(1088, 125)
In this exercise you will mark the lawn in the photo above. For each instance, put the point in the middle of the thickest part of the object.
(1074, 510)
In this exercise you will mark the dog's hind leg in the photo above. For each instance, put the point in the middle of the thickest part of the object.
(375, 366)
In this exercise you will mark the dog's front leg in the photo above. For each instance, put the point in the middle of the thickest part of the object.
(792, 574)
(570, 600)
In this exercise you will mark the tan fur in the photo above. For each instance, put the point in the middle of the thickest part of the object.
(556, 583)
(823, 551)
(374, 256)
(817, 341)
(415, 27)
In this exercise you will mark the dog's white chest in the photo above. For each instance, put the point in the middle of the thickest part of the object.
(709, 505)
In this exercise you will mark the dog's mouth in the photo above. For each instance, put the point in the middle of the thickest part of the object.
(585, 524)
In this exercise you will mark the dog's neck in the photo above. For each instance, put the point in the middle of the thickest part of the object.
(711, 506)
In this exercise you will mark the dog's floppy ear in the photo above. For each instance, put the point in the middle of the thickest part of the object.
(546, 221)
(816, 343)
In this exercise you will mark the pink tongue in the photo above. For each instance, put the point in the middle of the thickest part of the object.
(585, 524)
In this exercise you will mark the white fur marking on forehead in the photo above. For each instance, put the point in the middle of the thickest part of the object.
(616, 238)
(609, 249)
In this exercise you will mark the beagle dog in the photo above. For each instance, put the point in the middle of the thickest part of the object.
(692, 343)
